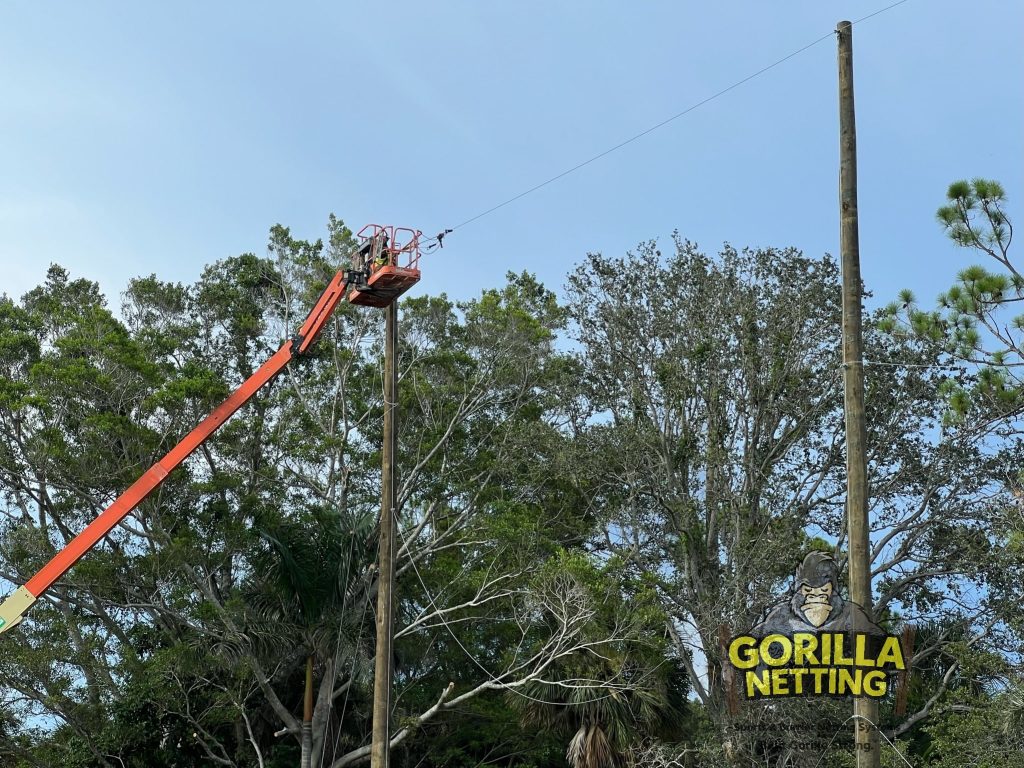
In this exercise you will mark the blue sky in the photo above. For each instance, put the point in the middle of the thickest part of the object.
(156, 138)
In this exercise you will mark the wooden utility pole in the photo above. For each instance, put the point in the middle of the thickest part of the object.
(306, 756)
(865, 709)
(380, 751)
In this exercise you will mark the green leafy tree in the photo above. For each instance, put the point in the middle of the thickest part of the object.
(976, 319)
(710, 446)
(189, 633)
(612, 700)
(975, 332)
(984, 733)
(309, 585)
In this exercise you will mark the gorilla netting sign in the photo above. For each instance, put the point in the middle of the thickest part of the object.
(815, 643)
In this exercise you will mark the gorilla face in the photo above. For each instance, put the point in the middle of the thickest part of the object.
(817, 603)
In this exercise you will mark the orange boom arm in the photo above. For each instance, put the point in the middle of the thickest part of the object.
(14, 607)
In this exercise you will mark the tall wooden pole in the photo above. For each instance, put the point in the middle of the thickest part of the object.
(380, 752)
(866, 710)
(306, 754)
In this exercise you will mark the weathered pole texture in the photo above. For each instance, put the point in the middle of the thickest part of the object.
(306, 756)
(380, 754)
(865, 709)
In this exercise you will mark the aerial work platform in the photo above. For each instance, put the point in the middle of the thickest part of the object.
(383, 267)
(388, 260)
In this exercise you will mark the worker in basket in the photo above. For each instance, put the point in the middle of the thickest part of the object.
(381, 259)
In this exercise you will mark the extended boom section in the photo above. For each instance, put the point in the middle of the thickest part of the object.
(13, 609)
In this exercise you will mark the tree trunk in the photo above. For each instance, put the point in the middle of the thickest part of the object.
(306, 760)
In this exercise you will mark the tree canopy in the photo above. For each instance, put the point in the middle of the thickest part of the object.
(594, 489)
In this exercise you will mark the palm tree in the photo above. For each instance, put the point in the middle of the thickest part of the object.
(608, 703)
(308, 581)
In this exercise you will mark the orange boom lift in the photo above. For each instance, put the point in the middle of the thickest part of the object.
(389, 258)
(385, 265)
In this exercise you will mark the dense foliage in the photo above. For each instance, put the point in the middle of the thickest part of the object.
(592, 491)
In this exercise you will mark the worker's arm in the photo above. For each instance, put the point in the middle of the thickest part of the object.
(13, 608)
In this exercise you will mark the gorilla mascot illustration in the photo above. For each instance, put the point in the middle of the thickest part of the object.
(815, 605)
